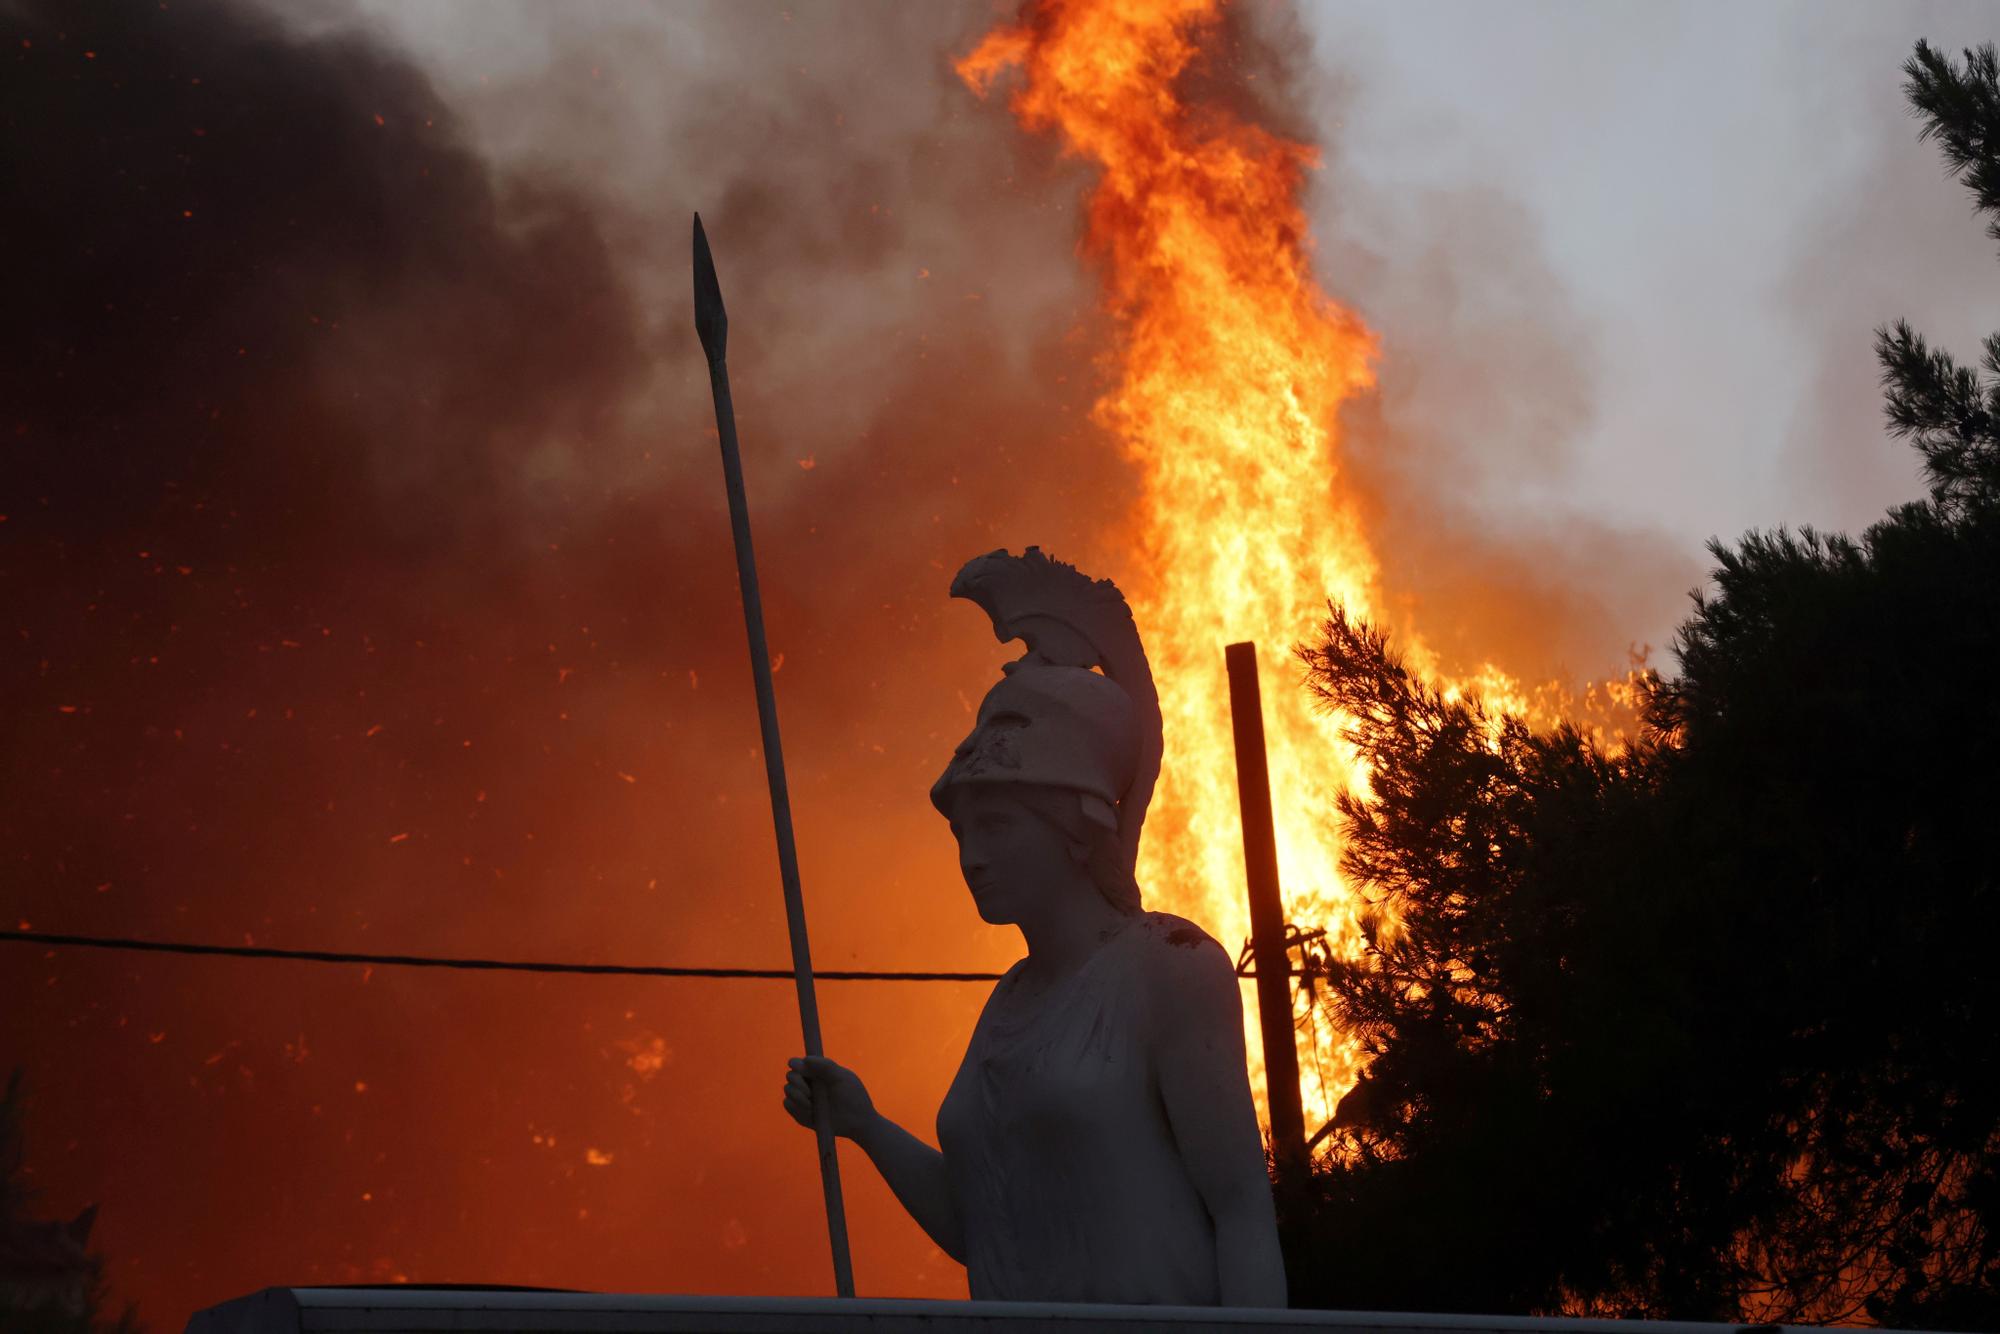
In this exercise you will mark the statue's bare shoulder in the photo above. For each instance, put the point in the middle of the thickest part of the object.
(1175, 945)
(1189, 981)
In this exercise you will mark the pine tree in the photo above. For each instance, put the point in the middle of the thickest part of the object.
(1701, 1029)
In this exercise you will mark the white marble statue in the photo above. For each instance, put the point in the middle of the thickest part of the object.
(1099, 1142)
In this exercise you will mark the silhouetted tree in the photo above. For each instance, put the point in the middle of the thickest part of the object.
(1703, 1028)
(49, 1282)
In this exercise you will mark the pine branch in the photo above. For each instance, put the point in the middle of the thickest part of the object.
(1947, 412)
(1961, 111)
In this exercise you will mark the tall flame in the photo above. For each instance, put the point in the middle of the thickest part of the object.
(1233, 366)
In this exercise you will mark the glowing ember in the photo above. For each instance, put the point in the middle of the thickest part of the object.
(1233, 365)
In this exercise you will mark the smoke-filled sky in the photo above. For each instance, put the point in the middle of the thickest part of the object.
(1724, 201)
(368, 584)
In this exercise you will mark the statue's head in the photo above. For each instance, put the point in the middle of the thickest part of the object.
(1072, 750)
(1032, 792)
(1017, 841)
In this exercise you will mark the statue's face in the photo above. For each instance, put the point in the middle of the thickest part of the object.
(1011, 858)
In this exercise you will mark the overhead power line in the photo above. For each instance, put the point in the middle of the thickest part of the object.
(484, 965)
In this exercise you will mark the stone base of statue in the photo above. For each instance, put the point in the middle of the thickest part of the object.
(406, 1310)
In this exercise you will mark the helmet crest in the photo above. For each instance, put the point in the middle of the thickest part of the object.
(1052, 720)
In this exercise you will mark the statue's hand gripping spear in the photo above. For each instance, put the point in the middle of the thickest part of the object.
(712, 323)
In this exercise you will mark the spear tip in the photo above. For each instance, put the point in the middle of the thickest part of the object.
(711, 321)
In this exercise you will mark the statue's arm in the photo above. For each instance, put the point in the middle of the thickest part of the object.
(913, 1169)
(1205, 1086)
(915, 1172)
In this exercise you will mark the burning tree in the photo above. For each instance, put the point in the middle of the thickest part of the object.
(1700, 1028)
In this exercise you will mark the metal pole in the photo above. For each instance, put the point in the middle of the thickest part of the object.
(712, 323)
(1267, 912)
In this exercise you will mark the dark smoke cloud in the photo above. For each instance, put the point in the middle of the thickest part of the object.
(240, 245)
(368, 588)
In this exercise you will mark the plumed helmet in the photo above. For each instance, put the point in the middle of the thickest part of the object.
(1052, 726)
(1052, 720)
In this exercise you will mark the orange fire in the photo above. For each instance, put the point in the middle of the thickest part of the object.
(1233, 366)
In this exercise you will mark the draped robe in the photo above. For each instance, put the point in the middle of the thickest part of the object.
(1057, 1147)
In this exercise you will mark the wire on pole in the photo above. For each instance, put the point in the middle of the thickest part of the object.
(486, 965)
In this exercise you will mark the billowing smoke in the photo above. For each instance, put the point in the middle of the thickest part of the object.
(369, 587)
(1488, 382)
(1487, 385)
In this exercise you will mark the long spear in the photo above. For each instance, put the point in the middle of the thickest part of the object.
(712, 323)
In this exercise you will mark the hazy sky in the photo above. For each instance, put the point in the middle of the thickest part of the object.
(1730, 196)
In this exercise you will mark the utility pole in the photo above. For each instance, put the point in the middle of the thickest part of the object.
(1267, 913)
